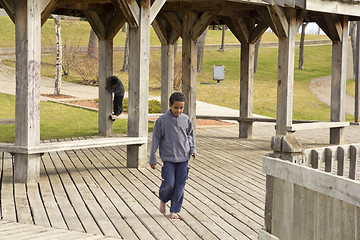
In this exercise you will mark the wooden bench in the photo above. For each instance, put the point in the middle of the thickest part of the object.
(316, 125)
(72, 145)
(7, 121)
(247, 119)
(151, 115)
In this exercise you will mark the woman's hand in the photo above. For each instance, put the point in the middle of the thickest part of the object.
(153, 166)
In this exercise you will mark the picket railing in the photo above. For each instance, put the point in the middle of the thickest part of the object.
(317, 199)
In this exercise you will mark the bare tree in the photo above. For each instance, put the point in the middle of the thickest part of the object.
(200, 50)
(58, 79)
(302, 43)
(92, 46)
(257, 46)
(353, 25)
(126, 51)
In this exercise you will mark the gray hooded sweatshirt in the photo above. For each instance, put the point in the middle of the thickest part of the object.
(174, 137)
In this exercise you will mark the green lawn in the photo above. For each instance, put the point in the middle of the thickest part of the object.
(57, 121)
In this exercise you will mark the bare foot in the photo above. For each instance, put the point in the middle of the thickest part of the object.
(162, 207)
(174, 216)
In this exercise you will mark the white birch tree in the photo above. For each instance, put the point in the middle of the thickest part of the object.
(58, 77)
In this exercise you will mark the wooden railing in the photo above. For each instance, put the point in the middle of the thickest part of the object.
(341, 160)
(7, 121)
(317, 199)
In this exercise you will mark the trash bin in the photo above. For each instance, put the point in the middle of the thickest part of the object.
(219, 73)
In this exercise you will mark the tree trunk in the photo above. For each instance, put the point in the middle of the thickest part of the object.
(256, 54)
(92, 47)
(126, 51)
(58, 55)
(200, 50)
(222, 46)
(302, 42)
(353, 43)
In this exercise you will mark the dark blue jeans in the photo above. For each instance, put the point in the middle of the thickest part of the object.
(174, 177)
(118, 104)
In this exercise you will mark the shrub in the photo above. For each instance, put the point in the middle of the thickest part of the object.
(154, 105)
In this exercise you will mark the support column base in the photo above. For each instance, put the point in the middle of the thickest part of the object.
(26, 168)
(137, 156)
(245, 129)
(337, 136)
(287, 147)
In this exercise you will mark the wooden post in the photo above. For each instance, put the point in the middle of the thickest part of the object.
(105, 124)
(285, 81)
(246, 88)
(27, 113)
(357, 73)
(338, 82)
(167, 74)
(139, 49)
(189, 65)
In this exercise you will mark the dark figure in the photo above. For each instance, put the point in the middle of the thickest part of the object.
(114, 85)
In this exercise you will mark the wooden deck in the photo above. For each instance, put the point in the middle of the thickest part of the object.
(90, 192)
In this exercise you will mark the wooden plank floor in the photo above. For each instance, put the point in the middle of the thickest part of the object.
(92, 192)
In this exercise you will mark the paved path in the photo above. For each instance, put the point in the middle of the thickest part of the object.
(321, 87)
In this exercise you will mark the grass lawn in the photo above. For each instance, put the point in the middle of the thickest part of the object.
(57, 121)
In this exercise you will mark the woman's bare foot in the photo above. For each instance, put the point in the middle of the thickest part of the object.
(174, 216)
(162, 207)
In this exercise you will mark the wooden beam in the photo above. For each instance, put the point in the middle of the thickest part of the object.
(9, 7)
(300, 18)
(47, 8)
(130, 9)
(234, 26)
(202, 23)
(266, 16)
(258, 31)
(338, 84)
(107, 25)
(241, 28)
(139, 47)
(97, 23)
(160, 29)
(167, 74)
(115, 23)
(279, 21)
(155, 9)
(174, 21)
(165, 32)
(72, 145)
(334, 26)
(316, 125)
(106, 54)
(285, 79)
(246, 88)
(189, 63)
(173, 36)
(27, 111)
